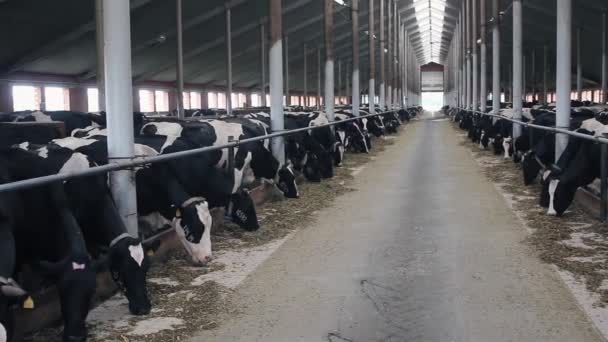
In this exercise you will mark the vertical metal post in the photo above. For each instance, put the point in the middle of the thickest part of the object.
(393, 64)
(406, 67)
(347, 83)
(287, 93)
(319, 78)
(263, 62)
(534, 80)
(229, 61)
(475, 61)
(388, 57)
(305, 76)
(276, 78)
(231, 157)
(604, 58)
(339, 89)
(100, 58)
(545, 72)
(329, 59)
(495, 57)
(180, 60)
(579, 66)
(382, 54)
(523, 77)
(119, 104)
(372, 59)
(604, 183)
(355, 99)
(483, 97)
(564, 76)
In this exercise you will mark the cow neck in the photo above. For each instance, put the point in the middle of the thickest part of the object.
(113, 226)
(176, 192)
(71, 228)
(7, 246)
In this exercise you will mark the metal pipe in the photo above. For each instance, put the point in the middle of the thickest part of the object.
(263, 62)
(318, 78)
(372, 60)
(276, 78)
(329, 59)
(287, 93)
(495, 58)
(119, 104)
(229, 62)
(355, 99)
(564, 76)
(306, 102)
(579, 66)
(604, 58)
(382, 54)
(518, 74)
(483, 97)
(545, 72)
(100, 58)
(534, 81)
(180, 60)
(475, 61)
(121, 164)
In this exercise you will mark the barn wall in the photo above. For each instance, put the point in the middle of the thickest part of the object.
(6, 98)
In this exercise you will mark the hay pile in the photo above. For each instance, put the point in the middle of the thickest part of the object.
(575, 242)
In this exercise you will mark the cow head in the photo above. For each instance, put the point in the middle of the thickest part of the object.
(326, 163)
(76, 284)
(507, 147)
(338, 152)
(263, 163)
(193, 227)
(287, 182)
(530, 166)
(296, 153)
(358, 138)
(129, 266)
(561, 196)
(242, 210)
(10, 293)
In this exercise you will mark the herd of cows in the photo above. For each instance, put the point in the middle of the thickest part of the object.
(578, 166)
(66, 232)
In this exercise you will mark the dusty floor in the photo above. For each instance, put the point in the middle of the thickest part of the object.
(425, 249)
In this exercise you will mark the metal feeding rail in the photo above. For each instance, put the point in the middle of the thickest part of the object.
(139, 161)
(597, 139)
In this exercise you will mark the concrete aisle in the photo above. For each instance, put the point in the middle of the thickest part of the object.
(425, 250)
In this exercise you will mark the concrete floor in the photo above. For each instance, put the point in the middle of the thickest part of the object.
(425, 250)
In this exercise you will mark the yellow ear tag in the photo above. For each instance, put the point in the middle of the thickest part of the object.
(178, 213)
(28, 303)
(150, 253)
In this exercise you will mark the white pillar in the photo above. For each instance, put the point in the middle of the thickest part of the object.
(180, 60)
(382, 55)
(517, 66)
(474, 59)
(495, 58)
(229, 62)
(276, 78)
(483, 93)
(564, 75)
(119, 105)
(355, 101)
(329, 60)
(100, 58)
(372, 60)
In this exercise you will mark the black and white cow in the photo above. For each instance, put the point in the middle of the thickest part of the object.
(356, 138)
(332, 142)
(48, 236)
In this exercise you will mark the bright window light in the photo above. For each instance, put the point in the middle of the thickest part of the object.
(430, 16)
(26, 98)
(57, 98)
(92, 100)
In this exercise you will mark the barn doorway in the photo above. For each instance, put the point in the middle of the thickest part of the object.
(432, 100)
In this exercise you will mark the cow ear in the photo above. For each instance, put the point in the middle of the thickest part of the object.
(13, 291)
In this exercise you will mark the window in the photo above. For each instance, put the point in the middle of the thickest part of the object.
(295, 100)
(312, 101)
(146, 101)
(221, 100)
(242, 100)
(26, 98)
(92, 100)
(212, 99)
(161, 100)
(195, 100)
(256, 100)
(186, 99)
(56, 98)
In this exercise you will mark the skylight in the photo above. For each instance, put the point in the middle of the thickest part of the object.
(430, 16)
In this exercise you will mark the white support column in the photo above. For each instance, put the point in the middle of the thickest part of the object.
(372, 60)
(495, 58)
(119, 105)
(305, 77)
(287, 85)
(276, 78)
(180, 60)
(474, 59)
(329, 59)
(100, 56)
(229, 61)
(579, 66)
(483, 93)
(382, 54)
(604, 58)
(564, 75)
(355, 96)
(517, 65)
(319, 78)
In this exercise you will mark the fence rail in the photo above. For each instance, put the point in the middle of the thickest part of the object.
(140, 161)
(598, 139)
